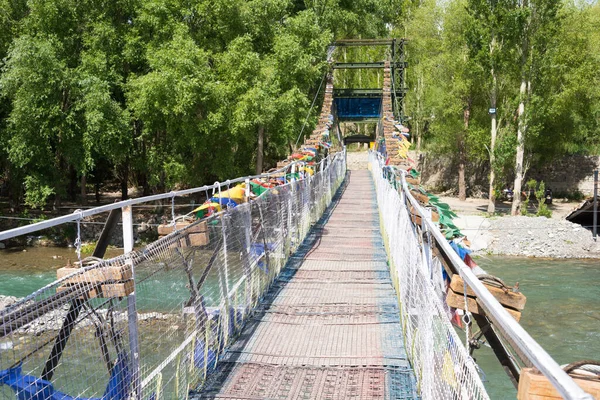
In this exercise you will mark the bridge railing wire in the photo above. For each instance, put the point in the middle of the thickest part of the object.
(152, 323)
(443, 365)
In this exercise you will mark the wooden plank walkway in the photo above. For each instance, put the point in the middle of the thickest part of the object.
(329, 328)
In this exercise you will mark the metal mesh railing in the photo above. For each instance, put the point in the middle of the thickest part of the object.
(152, 323)
(442, 365)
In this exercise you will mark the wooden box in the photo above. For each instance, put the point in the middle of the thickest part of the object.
(535, 386)
(167, 229)
(514, 303)
(96, 275)
(103, 282)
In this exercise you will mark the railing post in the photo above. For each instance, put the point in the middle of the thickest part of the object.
(290, 219)
(224, 278)
(345, 159)
(247, 252)
(426, 238)
(134, 345)
(292, 172)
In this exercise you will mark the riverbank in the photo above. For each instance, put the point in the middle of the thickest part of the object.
(525, 236)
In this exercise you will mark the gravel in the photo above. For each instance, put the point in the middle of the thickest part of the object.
(53, 320)
(517, 236)
(357, 159)
(539, 237)
(6, 301)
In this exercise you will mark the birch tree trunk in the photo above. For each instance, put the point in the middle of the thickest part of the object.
(491, 197)
(260, 149)
(522, 124)
(522, 128)
(462, 156)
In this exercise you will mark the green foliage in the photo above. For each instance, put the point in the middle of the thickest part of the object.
(87, 249)
(466, 53)
(542, 207)
(36, 193)
(159, 93)
(170, 93)
(529, 188)
(574, 195)
(539, 191)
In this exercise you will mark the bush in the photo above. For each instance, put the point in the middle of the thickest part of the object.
(571, 195)
(544, 211)
(540, 195)
(530, 186)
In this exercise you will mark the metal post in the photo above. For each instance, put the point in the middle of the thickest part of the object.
(247, 251)
(224, 279)
(134, 345)
(292, 174)
(594, 227)
(426, 238)
(294, 221)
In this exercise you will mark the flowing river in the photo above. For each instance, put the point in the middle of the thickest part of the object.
(562, 311)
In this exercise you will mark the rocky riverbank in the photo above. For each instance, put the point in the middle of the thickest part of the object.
(53, 320)
(528, 237)
(525, 236)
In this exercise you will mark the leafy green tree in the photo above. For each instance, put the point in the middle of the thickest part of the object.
(161, 93)
(355, 18)
(170, 101)
(491, 35)
(424, 50)
(445, 98)
(538, 26)
(43, 122)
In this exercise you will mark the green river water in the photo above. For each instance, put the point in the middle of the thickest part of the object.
(562, 311)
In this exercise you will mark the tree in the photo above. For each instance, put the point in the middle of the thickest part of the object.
(161, 93)
(538, 25)
(424, 50)
(171, 101)
(446, 97)
(490, 36)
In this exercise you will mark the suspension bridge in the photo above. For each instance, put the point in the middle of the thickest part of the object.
(310, 281)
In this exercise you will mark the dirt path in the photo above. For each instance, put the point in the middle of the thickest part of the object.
(357, 160)
(560, 209)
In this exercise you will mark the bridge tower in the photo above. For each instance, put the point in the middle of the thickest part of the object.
(364, 104)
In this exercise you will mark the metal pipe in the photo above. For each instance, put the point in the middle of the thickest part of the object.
(134, 344)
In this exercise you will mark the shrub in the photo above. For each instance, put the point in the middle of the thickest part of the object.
(542, 207)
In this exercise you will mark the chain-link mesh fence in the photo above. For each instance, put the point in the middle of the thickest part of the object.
(151, 324)
(442, 365)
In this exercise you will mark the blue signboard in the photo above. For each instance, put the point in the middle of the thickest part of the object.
(357, 108)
